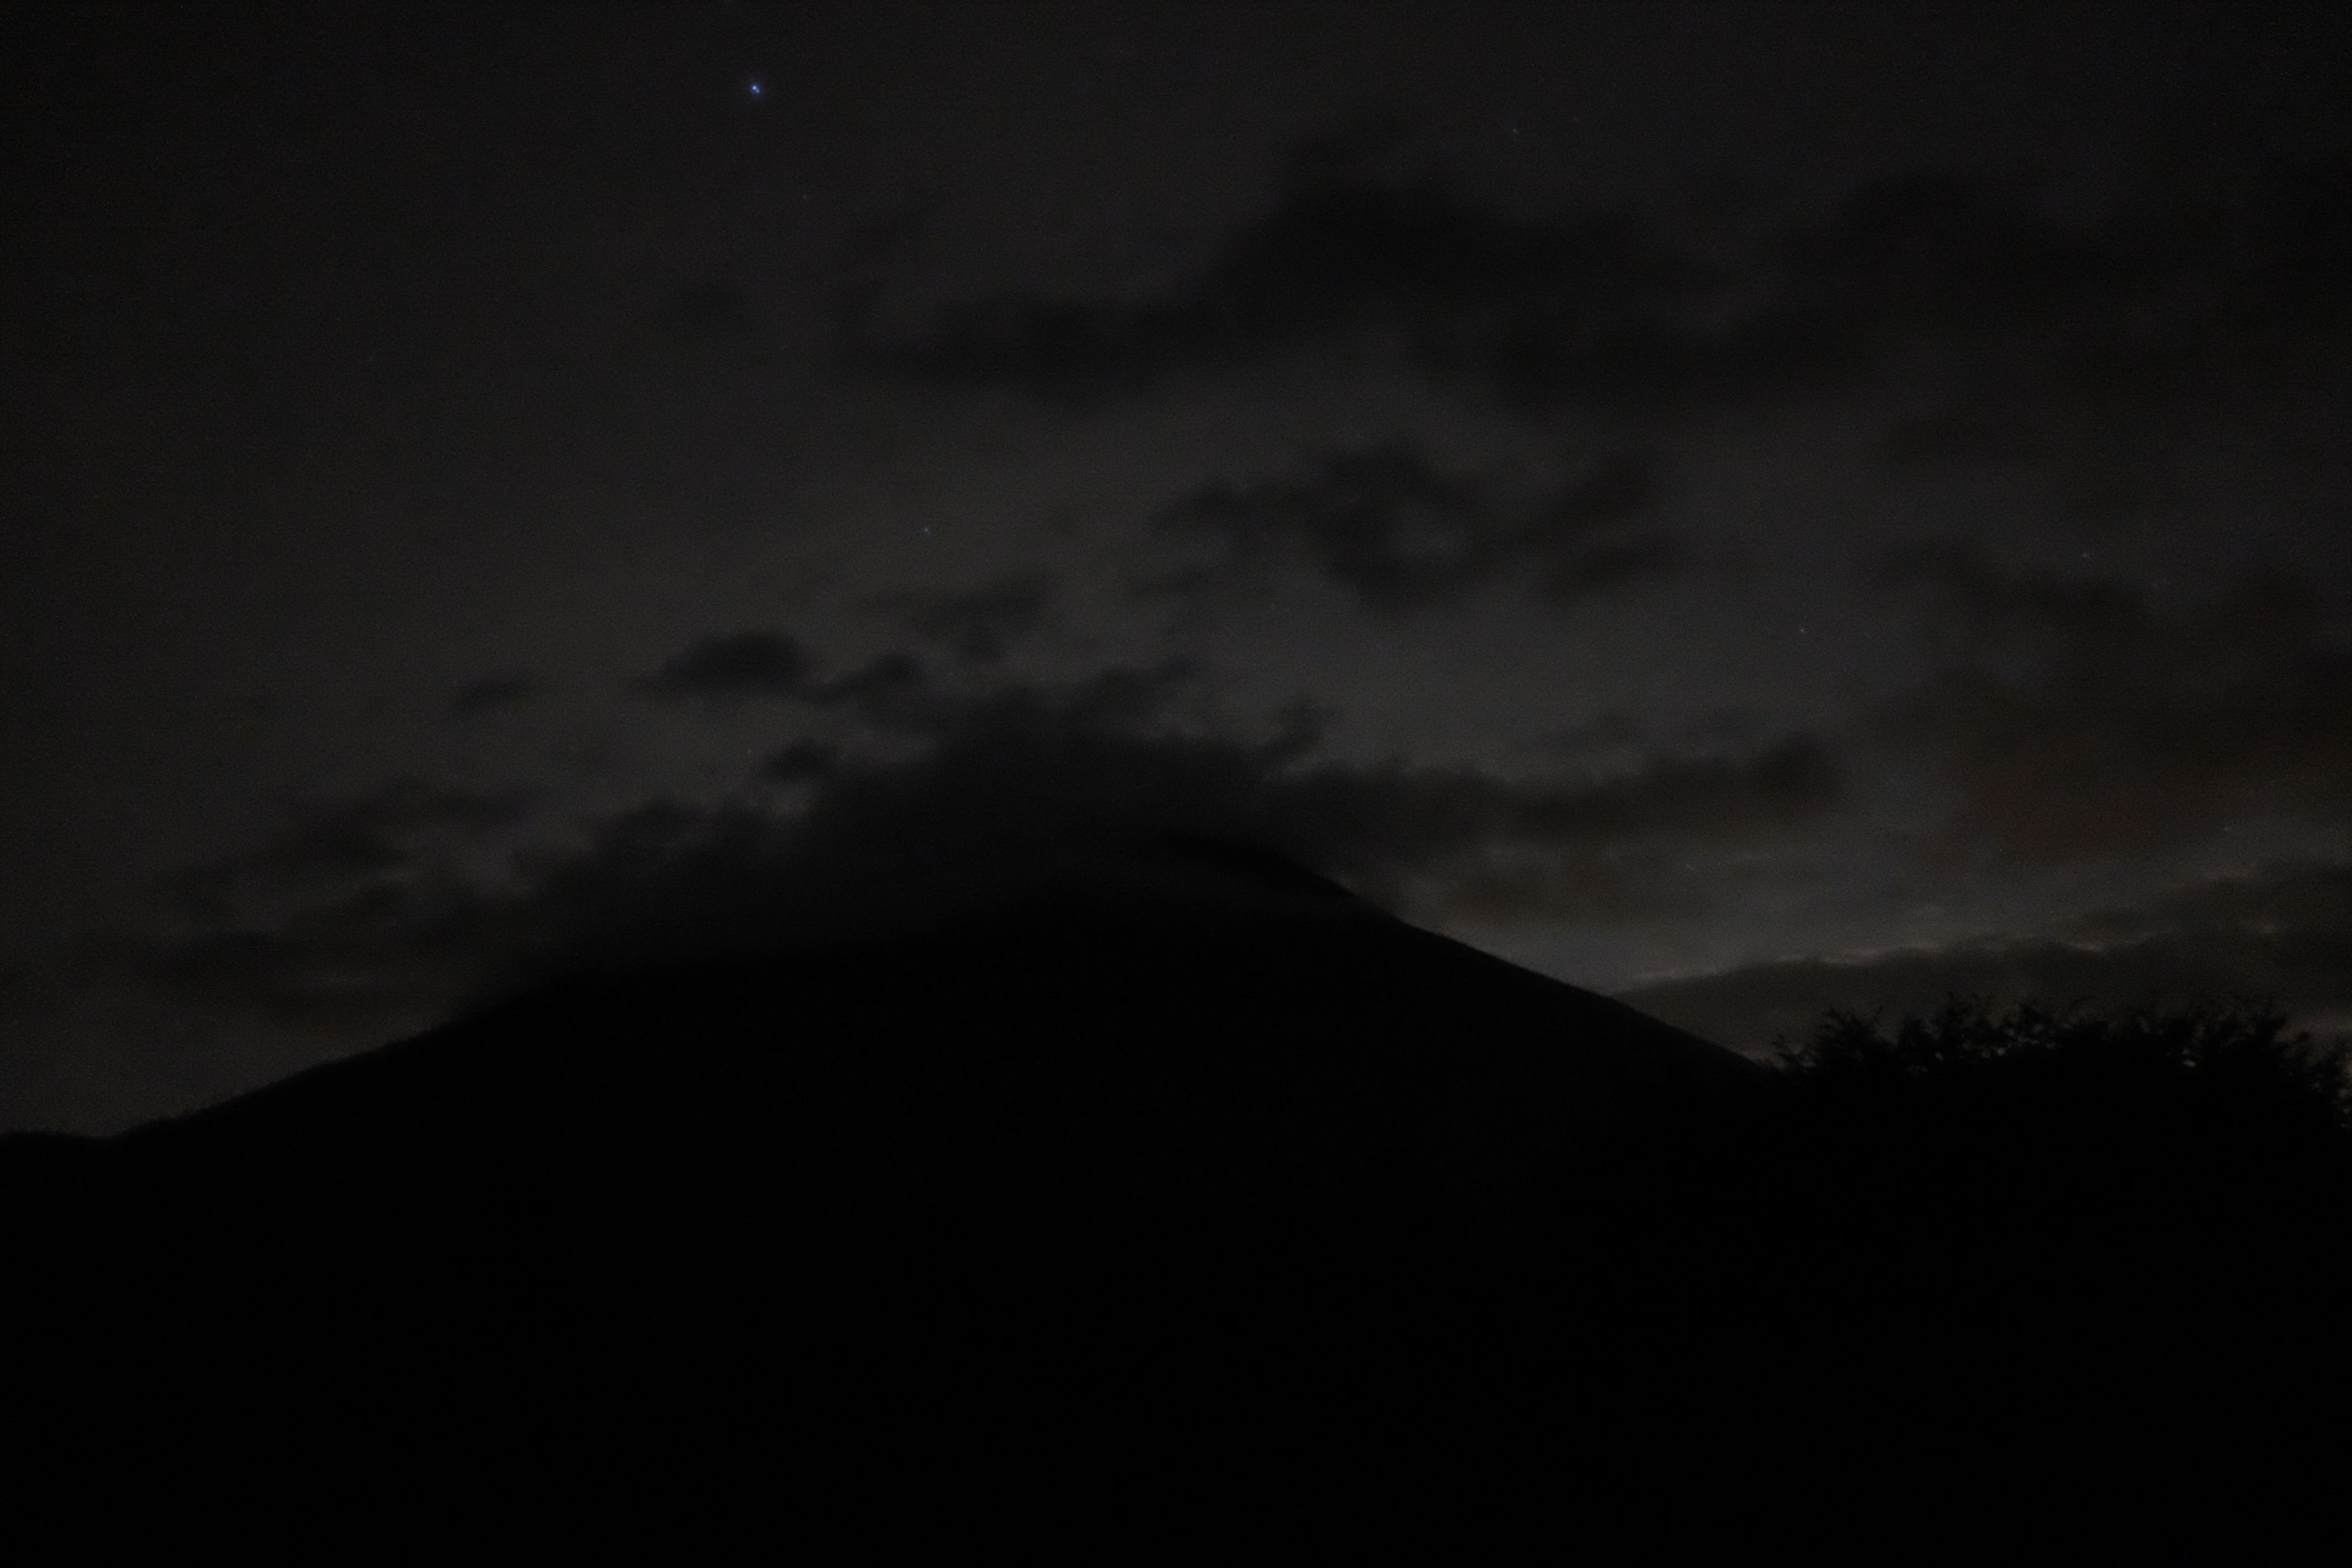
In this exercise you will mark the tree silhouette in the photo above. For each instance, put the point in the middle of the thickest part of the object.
(2060, 1236)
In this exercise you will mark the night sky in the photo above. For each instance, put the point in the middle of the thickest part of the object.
(1742, 508)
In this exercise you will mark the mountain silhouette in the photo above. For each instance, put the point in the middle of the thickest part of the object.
(1189, 1158)
(1190, 1083)
(1192, 1017)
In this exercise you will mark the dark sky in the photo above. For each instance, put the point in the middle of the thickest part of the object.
(1740, 507)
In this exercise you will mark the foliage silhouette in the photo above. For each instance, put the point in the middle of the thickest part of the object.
(2129, 1225)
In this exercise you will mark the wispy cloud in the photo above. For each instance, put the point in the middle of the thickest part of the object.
(735, 665)
(1004, 786)
(979, 625)
(1400, 533)
(2091, 719)
(2192, 285)
(2280, 936)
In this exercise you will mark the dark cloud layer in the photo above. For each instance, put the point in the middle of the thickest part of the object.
(891, 690)
(2086, 717)
(2274, 938)
(405, 823)
(2288, 897)
(1339, 254)
(1400, 533)
(981, 625)
(342, 962)
(2196, 283)
(490, 693)
(1958, 433)
(749, 664)
(1010, 786)
(2191, 285)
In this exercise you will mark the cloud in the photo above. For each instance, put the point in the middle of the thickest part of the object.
(2227, 286)
(1381, 521)
(354, 907)
(1599, 570)
(339, 964)
(801, 762)
(1021, 784)
(333, 842)
(1958, 433)
(1949, 251)
(1993, 601)
(1402, 534)
(891, 689)
(2188, 292)
(2285, 895)
(714, 308)
(489, 693)
(749, 664)
(1340, 254)
(979, 624)
(2193, 289)
(2091, 719)
(1009, 786)
(2281, 935)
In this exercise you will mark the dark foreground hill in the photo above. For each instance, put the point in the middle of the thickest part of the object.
(1194, 1167)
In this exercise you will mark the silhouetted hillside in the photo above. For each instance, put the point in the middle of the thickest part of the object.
(1202, 1155)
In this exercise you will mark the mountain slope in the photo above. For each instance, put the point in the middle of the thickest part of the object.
(1198, 1100)
(1177, 1022)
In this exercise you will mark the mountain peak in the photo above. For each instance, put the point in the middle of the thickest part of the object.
(1239, 858)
